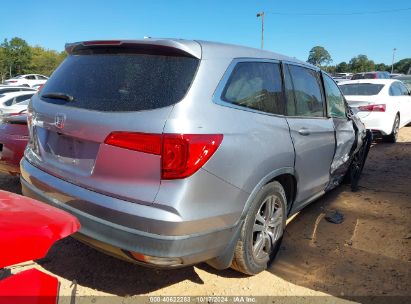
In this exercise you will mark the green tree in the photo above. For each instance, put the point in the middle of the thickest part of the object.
(319, 56)
(18, 55)
(382, 67)
(342, 67)
(44, 61)
(331, 69)
(402, 66)
(361, 63)
(4, 66)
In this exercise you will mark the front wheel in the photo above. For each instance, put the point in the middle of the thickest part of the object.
(392, 138)
(262, 232)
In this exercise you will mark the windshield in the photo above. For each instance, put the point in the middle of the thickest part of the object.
(121, 82)
(361, 88)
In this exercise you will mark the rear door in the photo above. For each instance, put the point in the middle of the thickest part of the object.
(128, 89)
(311, 131)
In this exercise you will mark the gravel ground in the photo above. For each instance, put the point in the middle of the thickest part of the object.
(369, 254)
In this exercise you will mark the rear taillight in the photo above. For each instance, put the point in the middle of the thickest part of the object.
(373, 108)
(11, 81)
(40, 87)
(181, 154)
(142, 142)
(184, 154)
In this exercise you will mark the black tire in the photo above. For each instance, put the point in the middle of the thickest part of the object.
(392, 138)
(254, 251)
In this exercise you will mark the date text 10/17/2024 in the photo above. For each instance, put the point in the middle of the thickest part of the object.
(202, 299)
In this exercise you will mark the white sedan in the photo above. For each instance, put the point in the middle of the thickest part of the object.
(28, 80)
(10, 102)
(383, 105)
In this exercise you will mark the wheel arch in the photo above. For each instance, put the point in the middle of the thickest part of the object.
(286, 177)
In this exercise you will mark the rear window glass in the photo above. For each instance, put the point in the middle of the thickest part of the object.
(122, 82)
(361, 89)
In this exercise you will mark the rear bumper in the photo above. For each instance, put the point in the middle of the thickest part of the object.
(378, 122)
(118, 230)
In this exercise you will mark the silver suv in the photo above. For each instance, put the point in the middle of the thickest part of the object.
(174, 152)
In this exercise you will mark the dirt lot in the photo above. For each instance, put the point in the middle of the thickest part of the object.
(368, 254)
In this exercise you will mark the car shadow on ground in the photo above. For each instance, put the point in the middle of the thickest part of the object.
(368, 254)
(73, 260)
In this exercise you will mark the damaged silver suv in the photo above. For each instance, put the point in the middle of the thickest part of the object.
(174, 152)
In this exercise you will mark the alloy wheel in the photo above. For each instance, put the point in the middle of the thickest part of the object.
(268, 227)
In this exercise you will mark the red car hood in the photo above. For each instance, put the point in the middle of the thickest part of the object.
(29, 228)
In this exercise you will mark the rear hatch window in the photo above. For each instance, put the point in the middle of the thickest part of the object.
(117, 80)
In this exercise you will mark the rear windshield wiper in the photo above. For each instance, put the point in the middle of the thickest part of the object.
(56, 95)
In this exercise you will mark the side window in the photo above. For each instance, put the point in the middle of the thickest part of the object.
(307, 91)
(334, 98)
(22, 98)
(9, 102)
(256, 85)
(395, 90)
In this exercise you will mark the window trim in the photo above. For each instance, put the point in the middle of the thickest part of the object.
(287, 63)
(217, 96)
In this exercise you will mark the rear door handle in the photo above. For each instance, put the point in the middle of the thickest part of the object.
(304, 132)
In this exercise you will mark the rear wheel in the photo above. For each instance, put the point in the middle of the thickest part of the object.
(392, 138)
(262, 232)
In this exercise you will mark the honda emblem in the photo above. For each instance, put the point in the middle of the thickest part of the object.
(59, 120)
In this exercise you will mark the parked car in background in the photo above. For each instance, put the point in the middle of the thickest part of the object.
(13, 141)
(173, 152)
(343, 75)
(394, 75)
(8, 100)
(38, 87)
(14, 109)
(28, 80)
(339, 79)
(406, 79)
(383, 105)
(371, 75)
(9, 89)
(28, 228)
